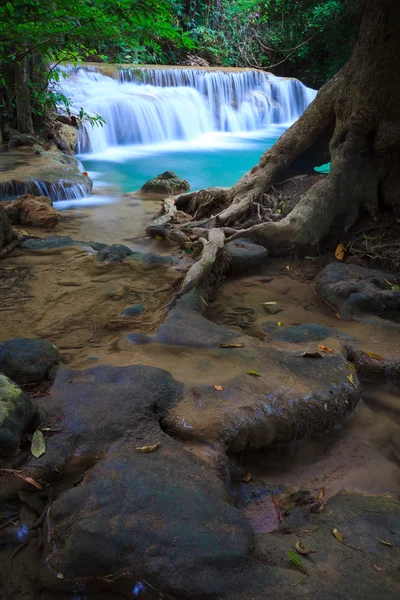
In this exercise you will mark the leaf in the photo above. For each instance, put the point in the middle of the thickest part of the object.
(351, 379)
(287, 268)
(158, 237)
(219, 388)
(10, 8)
(322, 348)
(247, 477)
(146, 449)
(338, 535)
(85, 174)
(229, 345)
(301, 550)
(379, 569)
(22, 476)
(295, 558)
(275, 501)
(321, 494)
(339, 252)
(279, 323)
(310, 258)
(396, 288)
(269, 303)
(370, 238)
(310, 355)
(254, 373)
(38, 445)
(351, 366)
(390, 544)
(374, 355)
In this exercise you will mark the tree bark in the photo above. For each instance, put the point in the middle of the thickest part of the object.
(358, 112)
(22, 97)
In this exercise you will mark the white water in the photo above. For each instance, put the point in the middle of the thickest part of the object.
(153, 106)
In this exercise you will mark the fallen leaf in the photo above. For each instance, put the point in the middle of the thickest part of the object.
(269, 303)
(351, 379)
(321, 494)
(351, 366)
(287, 268)
(310, 258)
(338, 535)
(322, 348)
(370, 238)
(311, 355)
(38, 445)
(388, 282)
(197, 393)
(254, 373)
(396, 288)
(247, 477)
(85, 174)
(339, 252)
(149, 448)
(21, 476)
(301, 550)
(275, 502)
(295, 558)
(379, 569)
(386, 543)
(158, 237)
(278, 210)
(279, 323)
(60, 576)
(219, 388)
(374, 355)
(238, 345)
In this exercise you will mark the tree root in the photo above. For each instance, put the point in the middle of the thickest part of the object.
(17, 239)
(168, 211)
(201, 269)
(167, 232)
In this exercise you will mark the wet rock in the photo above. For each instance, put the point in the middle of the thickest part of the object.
(23, 139)
(58, 241)
(186, 327)
(358, 293)
(5, 229)
(32, 210)
(133, 311)
(306, 332)
(368, 367)
(16, 412)
(113, 253)
(27, 360)
(66, 138)
(152, 259)
(138, 338)
(166, 184)
(245, 256)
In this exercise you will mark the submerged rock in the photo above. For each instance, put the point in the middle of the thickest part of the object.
(16, 412)
(306, 332)
(27, 360)
(133, 311)
(113, 253)
(356, 292)
(5, 229)
(245, 256)
(166, 184)
(32, 210)
(58, 241)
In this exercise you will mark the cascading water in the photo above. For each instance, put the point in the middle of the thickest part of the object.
(147, 106)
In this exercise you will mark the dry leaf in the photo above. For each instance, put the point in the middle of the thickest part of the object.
(269, 303)
(219, 388)
(197, 393)
(322, 348)
(149, 448)
(388, 282)
(279, 323)
(22, 476)
(386, 543)
(351, 366)
(38, 445)
(379, 569)
(351, 379)
(339, 252)
(301, 550)
(374, 355)
(247, 477)
(287, 268)
(321, 494)
(237, 345)
(338, 535)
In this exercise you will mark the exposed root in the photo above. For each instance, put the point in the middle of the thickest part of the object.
(167, 232)
(168, 211)
(201, 269)
(17, 239)
(374, 248)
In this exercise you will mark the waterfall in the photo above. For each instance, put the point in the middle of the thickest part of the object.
(144, 106)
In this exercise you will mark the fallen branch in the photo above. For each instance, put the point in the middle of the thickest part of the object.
(200, 269)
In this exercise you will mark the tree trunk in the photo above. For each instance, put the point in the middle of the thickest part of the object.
(22, 97)
(358, 114)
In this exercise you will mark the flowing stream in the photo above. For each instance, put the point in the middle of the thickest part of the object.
(210, 126)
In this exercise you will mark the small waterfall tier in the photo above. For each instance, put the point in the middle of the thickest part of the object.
(144, 106)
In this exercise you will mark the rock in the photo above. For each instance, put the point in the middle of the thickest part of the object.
(272, 309)
(5, 229)
(166, 184)
(138, 338)
(23, 139)
(132, 311)
(113, 253)
(32, 210)
(16, 412)
(66, 138)
(192, 60)
(58, 241)
(359, 293)
(245, 256)
(27, 360)
(296, 334)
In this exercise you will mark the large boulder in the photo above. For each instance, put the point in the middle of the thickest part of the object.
(5, 229)
(32, 210)
(16, 412)
(356, 292)
(245, 256)
(27, 360)
(166, 184)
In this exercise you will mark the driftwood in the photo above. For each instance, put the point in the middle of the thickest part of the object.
(168, 210)
(202, 268)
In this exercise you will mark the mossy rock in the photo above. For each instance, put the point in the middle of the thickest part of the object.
(16, 412)
(166, 184)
